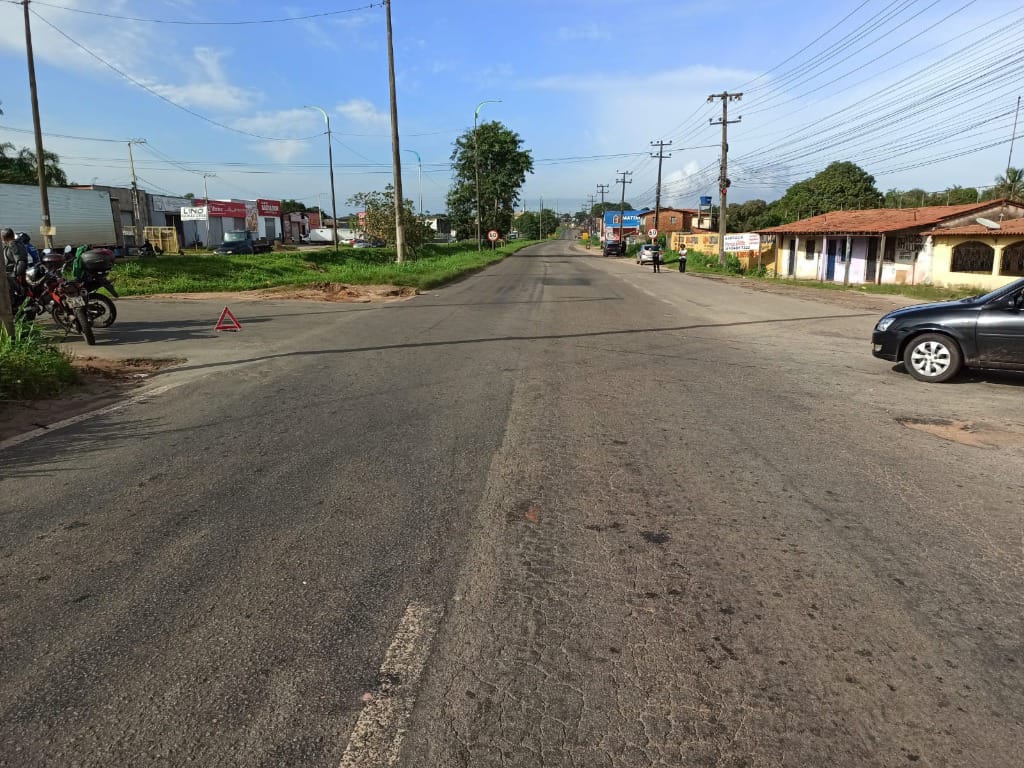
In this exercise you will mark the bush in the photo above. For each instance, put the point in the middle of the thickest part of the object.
(31, 365)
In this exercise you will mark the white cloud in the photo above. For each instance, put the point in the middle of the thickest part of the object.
(363, 112)
(211, 89)
(589, 31)
(281, 151)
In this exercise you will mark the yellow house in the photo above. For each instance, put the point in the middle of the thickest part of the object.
(987, 253)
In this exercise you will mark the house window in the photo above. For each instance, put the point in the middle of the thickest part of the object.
(671, 219)
(842, 252)
(973, 256)
(808, 249)
(1013, 260)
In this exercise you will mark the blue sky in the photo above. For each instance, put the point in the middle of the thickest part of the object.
(919, 92)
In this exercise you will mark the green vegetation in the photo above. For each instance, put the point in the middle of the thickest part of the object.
(31, 365)
(697, 261)
(436, 264)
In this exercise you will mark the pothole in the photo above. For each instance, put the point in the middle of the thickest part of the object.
(975, 434)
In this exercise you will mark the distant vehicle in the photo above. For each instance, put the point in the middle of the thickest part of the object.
(513, 235)
(612, 248)
(362, 244)
(242, 241)
(647, 253)
(936, 341)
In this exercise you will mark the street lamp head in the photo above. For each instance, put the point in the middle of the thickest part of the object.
(486, 101)
(322, 111)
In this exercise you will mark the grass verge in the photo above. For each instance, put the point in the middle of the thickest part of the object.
(31, 365)
(697, 261)
(435, 265)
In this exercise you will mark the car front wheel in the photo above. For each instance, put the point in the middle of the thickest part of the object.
(932, 357)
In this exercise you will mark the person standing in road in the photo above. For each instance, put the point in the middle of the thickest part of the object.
(682, 258)
(656, 259)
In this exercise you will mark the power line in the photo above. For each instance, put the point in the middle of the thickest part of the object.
(182, 22)
(160, 96)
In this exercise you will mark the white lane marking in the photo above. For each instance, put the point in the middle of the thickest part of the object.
(57, 425)
(377, 737)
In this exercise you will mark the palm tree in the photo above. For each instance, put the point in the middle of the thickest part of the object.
(1011, 185)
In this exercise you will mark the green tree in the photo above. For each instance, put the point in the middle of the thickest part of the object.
(20, 168)
(379, 222)
(1010, 185)
(292, 206)
(600, 209)
(751, 216)
(534, 226)
(503, 165)
(841, 186)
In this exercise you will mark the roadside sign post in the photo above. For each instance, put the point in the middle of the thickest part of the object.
(492, 235)
(652, 233)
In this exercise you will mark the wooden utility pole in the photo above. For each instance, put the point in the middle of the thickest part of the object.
(622, 207)
(723, 176)
(396, 152)
(657, 194)
(44, 197)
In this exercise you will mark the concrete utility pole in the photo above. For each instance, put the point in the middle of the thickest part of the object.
(330, 165)
(1009, 161)
(44, 196)
(396, 152)
(476, 164)
(622, 206)
(602, 190)
(135, 192)
(591, 201)
(657, 195)
(723, 176)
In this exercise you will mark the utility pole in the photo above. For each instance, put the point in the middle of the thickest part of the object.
(135, 192)
(657, 195)
(590, 219)
(396, 152)
(206, 198)
(44, 196)
(622, 206)
(723, 176)
(602, 190)
(1013, 135)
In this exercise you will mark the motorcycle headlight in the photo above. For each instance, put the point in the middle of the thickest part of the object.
(884, 323)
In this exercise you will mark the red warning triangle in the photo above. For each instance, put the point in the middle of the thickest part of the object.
(228, 322)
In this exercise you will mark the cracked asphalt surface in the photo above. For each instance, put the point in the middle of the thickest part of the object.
(668, 521)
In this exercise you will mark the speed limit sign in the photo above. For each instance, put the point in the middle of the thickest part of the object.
(492, 235)
(652, 232)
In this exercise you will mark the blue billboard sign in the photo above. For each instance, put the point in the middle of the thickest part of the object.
(630, 219)
(705, 199)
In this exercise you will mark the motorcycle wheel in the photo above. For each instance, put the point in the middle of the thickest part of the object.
(85, 325)
(102, 311)
(62, 318)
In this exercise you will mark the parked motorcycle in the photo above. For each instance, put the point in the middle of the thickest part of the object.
(95, 274)
(64, 300)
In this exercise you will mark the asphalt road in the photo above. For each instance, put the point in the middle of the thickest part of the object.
(565, 512)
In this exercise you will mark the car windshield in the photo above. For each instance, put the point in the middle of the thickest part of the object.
(998, 292)
(234, 237)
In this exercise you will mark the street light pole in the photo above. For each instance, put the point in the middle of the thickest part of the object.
(330, 163)
(419, 176)
(476, 162)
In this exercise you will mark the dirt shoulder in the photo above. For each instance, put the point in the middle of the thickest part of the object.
(101, 382)
(845, 297)
(359, 294)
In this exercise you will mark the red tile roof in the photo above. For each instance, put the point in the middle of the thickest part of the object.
(1006, 227)
(875, 220)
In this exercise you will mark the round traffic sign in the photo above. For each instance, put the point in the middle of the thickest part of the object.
(652, 232)
(492, 235)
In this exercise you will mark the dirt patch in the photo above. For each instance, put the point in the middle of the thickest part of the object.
(975, 434)
(363, 294)
(102, 382)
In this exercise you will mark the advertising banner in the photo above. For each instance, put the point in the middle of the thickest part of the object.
(223, 208)
(268, 207)
(193, 213)
(748, 241)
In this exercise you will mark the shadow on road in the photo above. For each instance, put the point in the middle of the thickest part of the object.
(496, 339)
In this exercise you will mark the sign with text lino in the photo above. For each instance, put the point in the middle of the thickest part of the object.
(748, 241)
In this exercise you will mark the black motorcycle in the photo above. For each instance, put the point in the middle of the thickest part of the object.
(96, 266)
(45, 292)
